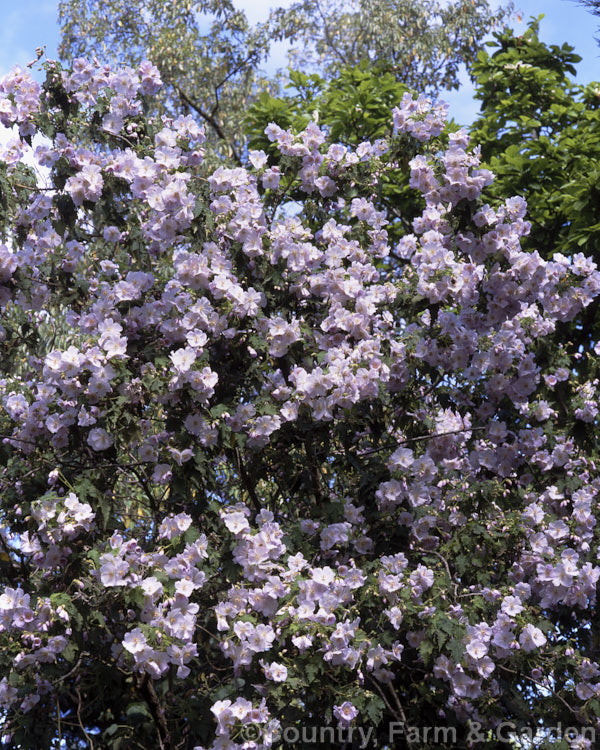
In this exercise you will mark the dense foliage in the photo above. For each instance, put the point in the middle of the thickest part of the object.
(268, 467)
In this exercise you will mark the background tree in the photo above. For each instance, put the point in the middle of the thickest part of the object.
(210, 58)
(422, 43)
(593, 5)
(208, 55)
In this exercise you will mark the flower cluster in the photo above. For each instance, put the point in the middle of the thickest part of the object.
(297, 466)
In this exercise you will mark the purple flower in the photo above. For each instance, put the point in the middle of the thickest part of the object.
(345, 713)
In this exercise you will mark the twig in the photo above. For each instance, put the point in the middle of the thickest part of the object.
(540, 684)
(385, 700)
(58, 720)
(402, 714)
(443, 559)
(328, 37)
(87, 736)
(419, 438)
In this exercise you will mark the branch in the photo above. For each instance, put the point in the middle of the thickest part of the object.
(87, 736)
(541, 685)
(207, 117)
(313, 469)
(243, 64)
(419, 438)
(328, 38)
(9, 552)
(401, 709)
(247, 483)
(401, 716)
(146, 687)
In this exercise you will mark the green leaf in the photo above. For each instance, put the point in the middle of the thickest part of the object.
(313, 669)
(138, 712)
(426, 649)
(69, 652)
(373, 709)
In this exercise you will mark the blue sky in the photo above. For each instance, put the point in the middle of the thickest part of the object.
(28, 24)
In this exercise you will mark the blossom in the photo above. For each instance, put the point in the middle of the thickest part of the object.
(86, 185)
(174, 525)
(402, 458)
(345, 713)
(531, 637)
(151, 587)
(183, 359)
(235, 522)
(276, 672)
(512, 605)
(135, 641)
(302, 642)
(112, 572)
(99, 439)
(476, 648)
(395, 616)
(258, 159)
(260, 638)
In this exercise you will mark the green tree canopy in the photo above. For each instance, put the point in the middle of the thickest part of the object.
(353, 106)
(541, 134)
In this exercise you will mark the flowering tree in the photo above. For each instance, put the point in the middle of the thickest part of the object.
(281, 473)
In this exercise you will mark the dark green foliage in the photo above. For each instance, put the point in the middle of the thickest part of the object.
(540, 135)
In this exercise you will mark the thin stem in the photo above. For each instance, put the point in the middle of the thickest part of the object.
(247, 483)
(401, 709)
(87, 736)
(383, 697)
